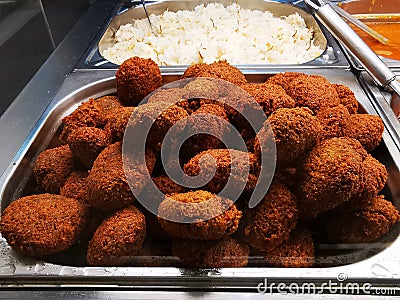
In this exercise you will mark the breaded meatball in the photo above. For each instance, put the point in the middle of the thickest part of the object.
(106, 105)
(118, 238)
(284, 79)
(213, 119)
(87, 143)
(220, 70)
(314, 92)
(117, 122)
(367, 129)
(334, 121)
(347, 98)
(374, 177)
(136, 78)
(269, 224)
(53, 167)
(296, 252)
(88, 114)
(295, 132)
(165, 118)
(269, 96)
(75, 187)
(42, 224)
(201, 215)
(331, 175)
(221, 159)
(363, 225)
(206, 88)
(226, 253)
(108, 185)
(173, 96)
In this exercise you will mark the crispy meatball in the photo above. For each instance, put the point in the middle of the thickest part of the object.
(206, 88)
(136, 78)
(108, 185)
(87, 143)
(53, 167)
(204, 216)
(331, 175)
(334, 121)
(347, 98)
(221, 159)
(269, 224)
(117, 122)
(213, 119)
(42, 224)
(106, 105)
(284, 79)
(220, 70)
(367, 129)
(88, 114)
(314, 92)
(364, 225)
(374, 177)
(295, 132)
(118, 238)
(75, 186)
(296, 252)
(269, 96)
(173, 96)
(226, 253)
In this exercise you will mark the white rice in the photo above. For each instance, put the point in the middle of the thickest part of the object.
(213, 32)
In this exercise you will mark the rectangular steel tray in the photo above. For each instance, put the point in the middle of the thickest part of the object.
(332, 57)
(376, 263)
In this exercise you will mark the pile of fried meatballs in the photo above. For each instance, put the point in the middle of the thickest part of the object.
(324, 175)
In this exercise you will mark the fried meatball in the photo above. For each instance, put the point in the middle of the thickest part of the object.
(374, 177)
(213, 119)
(87, 143)
(295, 132)
(88, 114)
(269, 96)
(284, 79)
(201, 215)
(363, 225)
(331, 175)
(334, 121)
(108, 185)
(42, 224)
(367, 129)
(296, 252)
(117, 122)
(75, 186)
(171, 95)
(314, 92)
(53, 167)
(226, 253)
(106, 105)
(165, 118)
(136, 78)
(269, 224)
(203, 88)
(221, 159)
(220, 70)
(118, 238)
(347, 98)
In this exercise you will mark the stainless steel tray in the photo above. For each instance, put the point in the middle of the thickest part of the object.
(366, 265)
(331, 57)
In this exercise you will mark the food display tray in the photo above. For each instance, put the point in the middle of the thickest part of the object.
(332, 57)
(375, 263)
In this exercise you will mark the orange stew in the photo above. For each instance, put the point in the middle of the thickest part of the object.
(389, 30)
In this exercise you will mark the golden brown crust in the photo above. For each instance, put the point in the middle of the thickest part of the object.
(106, 105)
(347, 98)
(226, 253)
(53, 167)
(75, 187)
(117, 238)
(334, 122)
(136, 78)
(117, 122)
(204, 216)
(284, 79)
(42, 224)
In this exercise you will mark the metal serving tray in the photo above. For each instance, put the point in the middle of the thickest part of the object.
(375, 263)
(331, 57)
